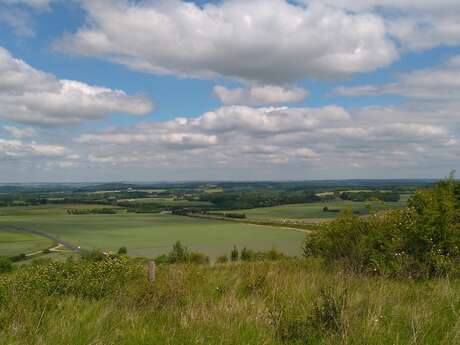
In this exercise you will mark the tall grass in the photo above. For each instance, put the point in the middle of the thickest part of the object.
(281, 302)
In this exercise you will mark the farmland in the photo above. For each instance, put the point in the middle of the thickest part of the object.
(148, 219)
(315, 211)
(147, 234)
(14, 243)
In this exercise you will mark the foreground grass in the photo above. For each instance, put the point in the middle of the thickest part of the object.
(285, 302)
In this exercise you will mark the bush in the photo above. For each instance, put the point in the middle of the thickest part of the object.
(6, 266)
(420, 241)
(20, 257)
(82, 278)
(180, 254)
(123, 251)
(234, 255)
(248, 255)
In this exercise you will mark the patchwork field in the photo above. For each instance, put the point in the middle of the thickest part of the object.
(314, 211)
(147, 234)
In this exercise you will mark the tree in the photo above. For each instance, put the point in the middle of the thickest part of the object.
(123, 251)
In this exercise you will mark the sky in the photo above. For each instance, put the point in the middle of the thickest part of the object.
(170, 90)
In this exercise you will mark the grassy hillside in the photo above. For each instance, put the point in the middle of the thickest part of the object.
(285, 302)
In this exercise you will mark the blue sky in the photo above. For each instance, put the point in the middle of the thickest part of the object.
(247, 90)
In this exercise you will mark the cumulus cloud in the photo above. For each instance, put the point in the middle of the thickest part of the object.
(250, 139)
(266, 41)
(259, 95)
(31, 96)
(17, 149)
(417, 25)
(19, 21)
(440, 83)
(38, 4)
(19, 132)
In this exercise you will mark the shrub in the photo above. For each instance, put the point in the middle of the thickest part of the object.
(181, 254)
(123, 251)
(248, 255)
(6, 266)
(234, 255)
(20, 257)
(82, 278)
(420, 241)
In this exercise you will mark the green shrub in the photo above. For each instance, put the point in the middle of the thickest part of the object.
(248, 255)
(420, 241)
(123, 251)
(234, 255)
(82, 278)
(181, 255)
(6, 266)
(20, 257)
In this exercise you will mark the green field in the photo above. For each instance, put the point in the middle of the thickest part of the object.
(147, 234)
(314, 211)
(13, 243)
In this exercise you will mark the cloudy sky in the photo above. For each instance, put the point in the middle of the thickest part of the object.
(156, 90)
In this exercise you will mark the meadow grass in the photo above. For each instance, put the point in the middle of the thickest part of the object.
(284, 302)
(152, 234)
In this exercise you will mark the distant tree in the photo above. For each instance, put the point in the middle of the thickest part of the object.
(123, 251)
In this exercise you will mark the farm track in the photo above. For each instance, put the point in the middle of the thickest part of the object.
(65, 244)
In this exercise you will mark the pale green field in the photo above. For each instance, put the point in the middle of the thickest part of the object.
(149, 234)
(314, 211)
(13, 243)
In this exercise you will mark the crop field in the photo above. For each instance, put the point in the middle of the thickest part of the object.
(14, 242)
(314, 211)
(147, 234)
(167, 202)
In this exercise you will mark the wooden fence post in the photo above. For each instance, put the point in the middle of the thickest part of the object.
(152, 269)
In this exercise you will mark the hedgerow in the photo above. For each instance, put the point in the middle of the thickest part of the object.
(420, 241)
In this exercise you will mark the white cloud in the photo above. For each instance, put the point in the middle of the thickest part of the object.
(266, 41)
(17, 149)
(416, 24)
(259, 95)
(31, 96)
(19, 21)
(38, 4)
(19, 132)
(440, 83)
(261, 139)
